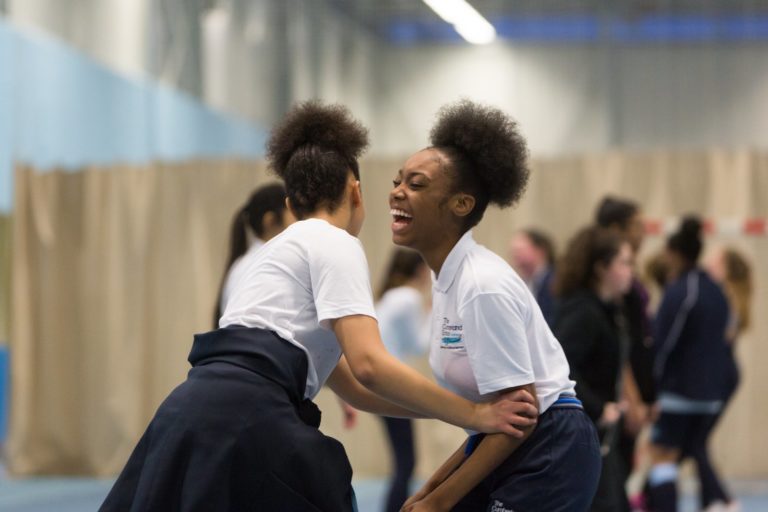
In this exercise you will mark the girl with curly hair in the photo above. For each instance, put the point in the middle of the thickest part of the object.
(241, 433)
(488, 335)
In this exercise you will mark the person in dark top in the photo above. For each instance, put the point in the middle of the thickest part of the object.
(691, 366)
(593, 275)
(625, 217)
(731, 270)
(532, 255)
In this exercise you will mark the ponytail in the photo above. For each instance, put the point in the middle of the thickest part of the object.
(266, 199)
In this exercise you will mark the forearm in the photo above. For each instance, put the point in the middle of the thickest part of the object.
(438, 477)
(411, 390)
(384, 375)
(492, 451)
(344, 384)
(487, 456)
(631, 390)
(446, 469)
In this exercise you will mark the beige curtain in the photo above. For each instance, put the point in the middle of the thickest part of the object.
(5, 275)
(115, 269)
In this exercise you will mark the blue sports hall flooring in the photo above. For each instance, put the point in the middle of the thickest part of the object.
(85, 494)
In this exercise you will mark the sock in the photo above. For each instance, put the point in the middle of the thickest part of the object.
(662, 488)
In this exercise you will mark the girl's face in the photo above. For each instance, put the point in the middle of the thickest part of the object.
(617, 276)
(420, 202)
(715, 266)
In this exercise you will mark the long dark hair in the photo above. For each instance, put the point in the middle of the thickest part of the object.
(403, 266)
(590, 246)
(264, 200)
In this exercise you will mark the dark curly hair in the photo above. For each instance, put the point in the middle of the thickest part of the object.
(687, 241)
(312, 150)
(590, 246)
(485, 152)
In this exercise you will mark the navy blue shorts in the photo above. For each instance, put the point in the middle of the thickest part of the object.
(675, 430)
(555, 470)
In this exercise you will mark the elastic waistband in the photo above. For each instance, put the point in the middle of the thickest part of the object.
(567, 401)
(564, 401)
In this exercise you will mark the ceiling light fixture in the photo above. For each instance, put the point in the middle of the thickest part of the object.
(470, 24)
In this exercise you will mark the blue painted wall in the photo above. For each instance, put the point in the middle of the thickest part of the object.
(59, 108)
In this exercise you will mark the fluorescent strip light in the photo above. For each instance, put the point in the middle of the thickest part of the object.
(470, 24)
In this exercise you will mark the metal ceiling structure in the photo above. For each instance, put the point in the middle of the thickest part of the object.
(412, 22)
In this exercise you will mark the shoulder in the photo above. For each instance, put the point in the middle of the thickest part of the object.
(485, 273)
(321, 238)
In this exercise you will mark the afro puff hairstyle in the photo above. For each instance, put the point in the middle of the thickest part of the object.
(486, 153)
(312, 149)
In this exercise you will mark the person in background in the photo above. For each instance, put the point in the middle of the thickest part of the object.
(732, 271)
(593, 275)
(261, 218)
(402, 320)
(532, 255)
(625, 218)
(692, 365)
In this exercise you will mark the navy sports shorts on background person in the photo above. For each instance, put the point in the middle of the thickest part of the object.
(555, 470)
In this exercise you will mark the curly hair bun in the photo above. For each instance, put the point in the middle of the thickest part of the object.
(489, 140)
(313, 124)
(313, 150)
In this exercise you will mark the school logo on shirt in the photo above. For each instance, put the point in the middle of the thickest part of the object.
(451, 335)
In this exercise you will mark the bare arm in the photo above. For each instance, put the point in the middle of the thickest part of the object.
(344, 384)
(490, 453)
(439, 476)
(384, 375)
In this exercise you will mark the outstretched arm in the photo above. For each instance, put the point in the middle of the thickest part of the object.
(343, 383)
(387, 377)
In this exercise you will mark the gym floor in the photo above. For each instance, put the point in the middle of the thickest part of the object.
(86, 494)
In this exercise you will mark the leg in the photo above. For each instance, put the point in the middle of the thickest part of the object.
(668, 436)
(711, 488)
(400, 433)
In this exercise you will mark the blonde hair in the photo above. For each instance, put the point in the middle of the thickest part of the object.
(738, 289)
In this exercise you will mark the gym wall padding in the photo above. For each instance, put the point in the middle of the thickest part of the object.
(115, 269)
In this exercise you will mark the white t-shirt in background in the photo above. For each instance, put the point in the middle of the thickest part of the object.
(296, 283)
(235, 272)
(401, 320)
(488, 333)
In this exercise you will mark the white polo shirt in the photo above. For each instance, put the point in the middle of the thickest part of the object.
(488, 333)
(296, 283)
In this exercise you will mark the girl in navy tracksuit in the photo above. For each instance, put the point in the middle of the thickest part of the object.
(690, 365)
